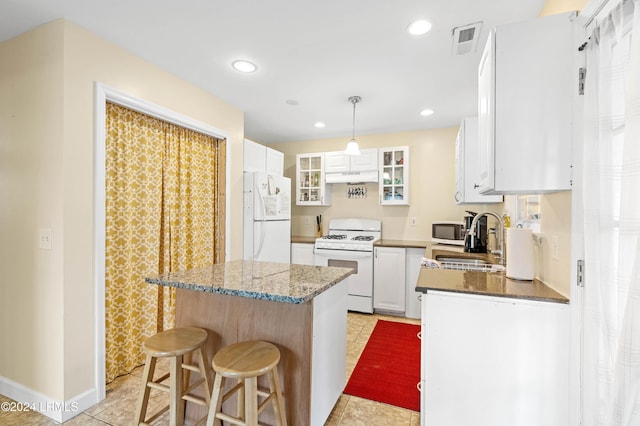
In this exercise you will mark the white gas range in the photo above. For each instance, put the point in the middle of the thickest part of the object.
(349, 243)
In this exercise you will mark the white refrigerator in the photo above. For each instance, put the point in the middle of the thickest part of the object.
(267, 217)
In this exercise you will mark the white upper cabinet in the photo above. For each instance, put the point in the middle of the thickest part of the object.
(336, 162)
(367, 160)
(467, 177)
(526, 87)
(343, 168)
(394, 175)
(275, 162)
(260, 158)
(311, 189)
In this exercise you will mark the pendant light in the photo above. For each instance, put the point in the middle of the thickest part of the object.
(352, 146)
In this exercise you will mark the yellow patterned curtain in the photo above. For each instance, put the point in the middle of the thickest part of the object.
(164, 212)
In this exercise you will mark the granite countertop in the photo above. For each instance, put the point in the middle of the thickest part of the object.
(280, 282)
(485, 283)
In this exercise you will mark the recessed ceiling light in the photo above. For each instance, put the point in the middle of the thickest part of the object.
(426, 112)
(244, 66)
(292, 102)
(419, 27)
(319, 124)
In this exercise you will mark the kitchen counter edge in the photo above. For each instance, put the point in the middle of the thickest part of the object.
(401, 243)
(278, 282)
(486, 284)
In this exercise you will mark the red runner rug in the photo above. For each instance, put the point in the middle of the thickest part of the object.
(389, 368)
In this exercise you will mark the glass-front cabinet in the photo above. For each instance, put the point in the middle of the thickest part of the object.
(394, 175)
(310, 184)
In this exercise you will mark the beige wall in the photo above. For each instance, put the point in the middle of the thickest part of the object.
(553, 7)
(432, 157)
(31, 184)
(47, 81)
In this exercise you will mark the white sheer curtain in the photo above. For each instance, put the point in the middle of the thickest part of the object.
(611, 341)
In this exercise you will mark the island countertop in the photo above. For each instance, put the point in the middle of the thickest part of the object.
(485, 283)
(279, 282)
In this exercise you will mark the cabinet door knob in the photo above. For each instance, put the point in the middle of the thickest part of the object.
(457, 197)
(476, 186)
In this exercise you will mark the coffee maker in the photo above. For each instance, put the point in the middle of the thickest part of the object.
(478, 243)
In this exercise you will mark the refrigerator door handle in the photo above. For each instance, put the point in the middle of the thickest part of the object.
(262, 227)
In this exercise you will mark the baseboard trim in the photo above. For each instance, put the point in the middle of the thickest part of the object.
(60, 411)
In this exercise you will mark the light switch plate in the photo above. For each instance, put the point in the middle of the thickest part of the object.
(44, 238)
(555, 243)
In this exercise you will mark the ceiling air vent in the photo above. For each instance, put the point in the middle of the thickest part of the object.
(465, 38)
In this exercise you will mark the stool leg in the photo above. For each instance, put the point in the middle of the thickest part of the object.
(240, 404)
(216, 400)
(204, 372)
(143, 399)
(278, 404)
(186, 374)
(176, 403)
(251, 401)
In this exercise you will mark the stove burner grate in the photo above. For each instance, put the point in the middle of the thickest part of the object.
(363, 238)
(334, 237)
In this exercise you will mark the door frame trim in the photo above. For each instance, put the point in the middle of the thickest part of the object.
(102, 94)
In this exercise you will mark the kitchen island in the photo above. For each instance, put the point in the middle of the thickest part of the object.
(300, 308)
(495, 351)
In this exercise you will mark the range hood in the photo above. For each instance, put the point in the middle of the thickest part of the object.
(351, 177)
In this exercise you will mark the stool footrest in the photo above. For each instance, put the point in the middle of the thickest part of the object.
(195, 399)
(159, 386)
(265, 402)
(194, 385)
(191, 367)
(230, 419)
(236, 388)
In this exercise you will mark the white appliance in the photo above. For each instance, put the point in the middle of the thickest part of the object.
(267, 217)
(349, 243)
(448, 232)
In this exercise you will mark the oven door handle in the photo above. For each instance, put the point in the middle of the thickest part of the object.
(342, 254)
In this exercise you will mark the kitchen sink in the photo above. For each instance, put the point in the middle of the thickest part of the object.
(463, 260)
(467, 264)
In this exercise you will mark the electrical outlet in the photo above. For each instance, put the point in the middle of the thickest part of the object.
(555, 243)
(412, 221)
(44, 238)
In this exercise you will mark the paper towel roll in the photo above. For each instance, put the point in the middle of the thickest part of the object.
(520, 256)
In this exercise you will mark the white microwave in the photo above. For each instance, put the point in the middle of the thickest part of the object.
(448, 232)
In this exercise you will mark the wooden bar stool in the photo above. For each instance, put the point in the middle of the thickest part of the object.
(246, 361)
(175, 344)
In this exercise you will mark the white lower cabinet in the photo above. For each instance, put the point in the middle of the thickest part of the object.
(302, 254)
(412, 297)
(389, 279)
(494, 361)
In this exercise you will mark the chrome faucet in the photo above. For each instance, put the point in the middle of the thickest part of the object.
(499, 234)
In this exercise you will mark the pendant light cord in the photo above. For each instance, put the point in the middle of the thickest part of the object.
(353, 133)
(354, 100)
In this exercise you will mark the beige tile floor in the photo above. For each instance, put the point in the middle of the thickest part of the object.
(119, 406)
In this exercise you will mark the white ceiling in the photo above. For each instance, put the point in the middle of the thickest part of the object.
(317, 53)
